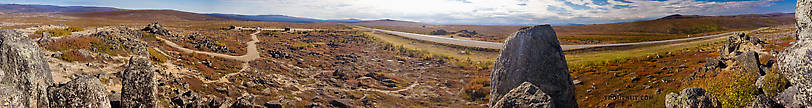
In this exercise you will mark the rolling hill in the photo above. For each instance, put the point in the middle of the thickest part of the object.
(22, 8)
(278, 18)
(150, 15)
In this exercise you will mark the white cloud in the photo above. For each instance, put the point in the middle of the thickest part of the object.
(461, 11)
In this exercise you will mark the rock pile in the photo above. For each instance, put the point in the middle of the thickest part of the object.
(26, 75)
(156, 28)
(440, 32)
(533, 55)
(138, 84)
(691, 98)
(82, 92)
(122, 38)
(796, 62)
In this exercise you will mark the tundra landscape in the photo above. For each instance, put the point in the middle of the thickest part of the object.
(96, 54)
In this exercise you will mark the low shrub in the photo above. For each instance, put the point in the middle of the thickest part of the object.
(477, 89)
(60, 32)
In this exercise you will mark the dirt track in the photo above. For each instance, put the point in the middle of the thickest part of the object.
(252, 53)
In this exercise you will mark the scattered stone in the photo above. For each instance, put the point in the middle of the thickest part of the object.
(525, 95)
(691, 98)
(533, 55)
(273, 105)
(635, 79)
(341, 103)
(246, 101)
(576, 82)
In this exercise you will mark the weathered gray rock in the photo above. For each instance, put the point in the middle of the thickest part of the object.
(787, 98)
(83, 92)
(796, 62)
(341, 103)
(191, 99)
(25, 74)
(738, 43)
(533, 55)
(526, 95)
(749, 62)
(138, 84)
(46, 37)
(763, 102)
(157, 29)
(691, 98)
(713, 64)
(10, 97)
(245, 101)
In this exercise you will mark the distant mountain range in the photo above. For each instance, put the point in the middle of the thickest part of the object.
(276, 18)
(19, 8)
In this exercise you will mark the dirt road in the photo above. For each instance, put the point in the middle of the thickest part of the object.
(496, 45)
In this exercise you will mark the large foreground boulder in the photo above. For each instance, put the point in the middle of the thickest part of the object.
(138, 84)
(533, 55)
(25, 74)
(526, 95)
(691, 98)
(83, 92)
(796, 62)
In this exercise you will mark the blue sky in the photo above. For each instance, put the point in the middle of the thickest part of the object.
(488, 12)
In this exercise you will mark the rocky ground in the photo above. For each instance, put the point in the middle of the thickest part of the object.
(645, 81)
(331, 68)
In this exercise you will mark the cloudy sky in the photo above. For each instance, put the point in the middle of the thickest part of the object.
(489, 12)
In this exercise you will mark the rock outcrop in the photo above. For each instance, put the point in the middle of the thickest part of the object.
(533, 55)
(25, 74)
(46, 37)
(156, 28)
(83, 92)
(691, 98)
(122, 37)
(740, 42)
(138, 84)
(526, 95)
(796, 62)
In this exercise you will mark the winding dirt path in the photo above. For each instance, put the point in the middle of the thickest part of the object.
(251, 54)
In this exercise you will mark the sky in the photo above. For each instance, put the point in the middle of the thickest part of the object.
(478, 12)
